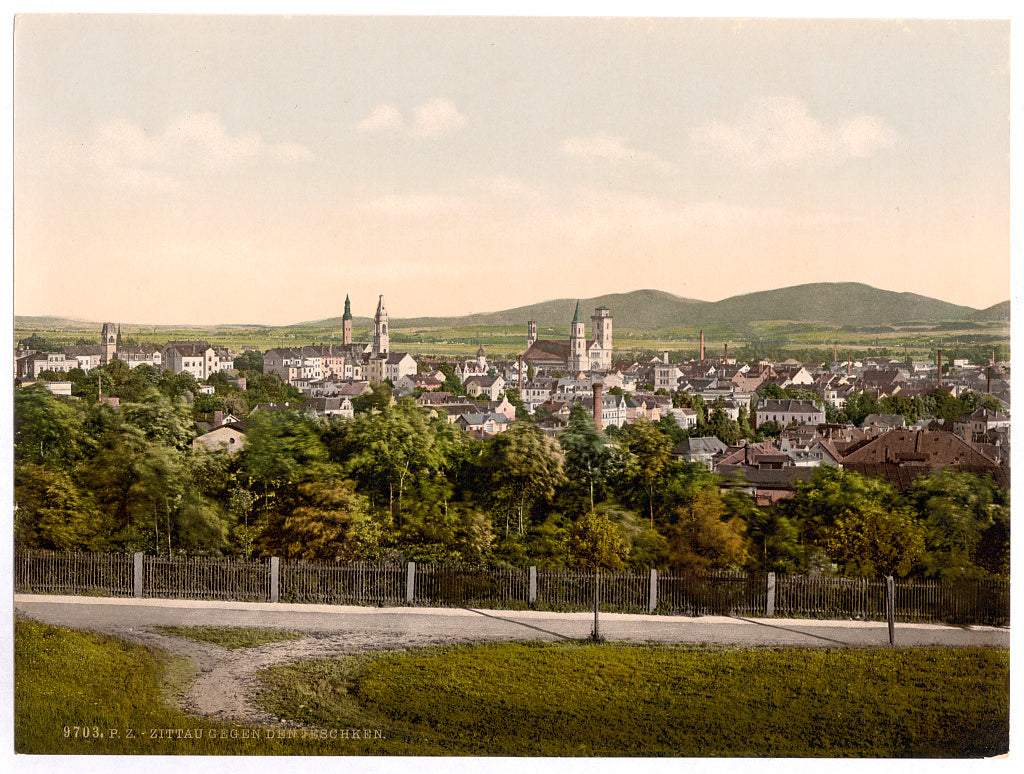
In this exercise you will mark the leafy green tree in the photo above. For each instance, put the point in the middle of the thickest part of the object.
(377, 399)
(704, 536)
(47, 429)
(524, 466)
(958, 510)
(51, 512)
(587, 456)
(869, 540)
(595, 542)
(648, 455)
(719, 425)
(249, 361)
(772, 538)
(329, 522)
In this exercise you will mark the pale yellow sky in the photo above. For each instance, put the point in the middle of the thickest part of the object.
(208, 169)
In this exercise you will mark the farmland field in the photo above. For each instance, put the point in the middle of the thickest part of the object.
(562, 699)
(773, 338)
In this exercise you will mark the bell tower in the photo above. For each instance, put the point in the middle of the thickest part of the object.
(108, 338)
(380, 330)
(346, 323)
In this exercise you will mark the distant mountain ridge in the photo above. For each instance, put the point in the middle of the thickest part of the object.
(826, 303)
(823, 303)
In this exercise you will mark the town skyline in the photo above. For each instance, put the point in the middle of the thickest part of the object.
(208, 169)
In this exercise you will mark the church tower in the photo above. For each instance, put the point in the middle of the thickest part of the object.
(578, 343)
(531, 333)
(346, 323)
(380, 330)
(109, 341)
(602, 327)
(481, 360)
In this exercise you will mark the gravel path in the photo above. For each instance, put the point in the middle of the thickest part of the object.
(227, 679)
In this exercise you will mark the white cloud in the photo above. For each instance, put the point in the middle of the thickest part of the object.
(433, 118)
(436, 117)
(781, 132)
(384, 118)
(610, 148)
(122, 154)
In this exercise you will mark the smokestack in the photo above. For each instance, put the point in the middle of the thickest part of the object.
(988, 389)
(906, 355)
(835, 352)
(726, 358)
(940, 368)
(993, 360)
(597, 408)
(849, 364)
(522, 376)
(702, 344)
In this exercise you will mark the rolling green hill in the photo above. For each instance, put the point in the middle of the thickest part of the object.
(996, 313)
(826, 303)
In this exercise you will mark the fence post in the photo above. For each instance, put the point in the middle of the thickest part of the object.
(410, 582)
(138, 574)
(533, 585)
(275, 579)
(769, 610)
(890, 607)
(652, 602)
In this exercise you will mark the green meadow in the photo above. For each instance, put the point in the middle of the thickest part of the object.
(530, 699)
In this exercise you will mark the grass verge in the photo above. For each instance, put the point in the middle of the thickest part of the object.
(230, 637)
(563, 699)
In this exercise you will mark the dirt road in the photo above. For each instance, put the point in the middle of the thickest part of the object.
(227, 682)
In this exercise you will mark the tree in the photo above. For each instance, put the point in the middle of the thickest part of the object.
(958, 510)
(377, 399)
(648, 454)
(869, 540)
(47, 429)
(329, 522)
(772, 538)
(719, 425)
(595, 542)
(587, 458)
(249, 361)
(523, 465)
(704, 536)
(51, 512)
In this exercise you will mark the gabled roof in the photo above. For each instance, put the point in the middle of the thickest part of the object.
(899, 456)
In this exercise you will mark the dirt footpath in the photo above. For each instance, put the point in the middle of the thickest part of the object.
(227, 682)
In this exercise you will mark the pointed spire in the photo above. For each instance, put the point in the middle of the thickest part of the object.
(578, 317)
(348, 309)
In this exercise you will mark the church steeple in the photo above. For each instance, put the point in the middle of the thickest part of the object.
(577, 342)
(380, 330)
(346, 323)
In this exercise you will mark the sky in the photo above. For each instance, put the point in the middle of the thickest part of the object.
(212, 169)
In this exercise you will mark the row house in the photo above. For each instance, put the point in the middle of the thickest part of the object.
(197, 358)
(977, 424)
(785, 412)
(305, 364)
(31, 366)
(393, 366)
(613, 410)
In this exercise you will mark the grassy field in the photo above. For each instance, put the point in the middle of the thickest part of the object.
(508, 341)
(564, 699)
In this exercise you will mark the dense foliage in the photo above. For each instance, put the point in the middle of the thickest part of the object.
(396, 483)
